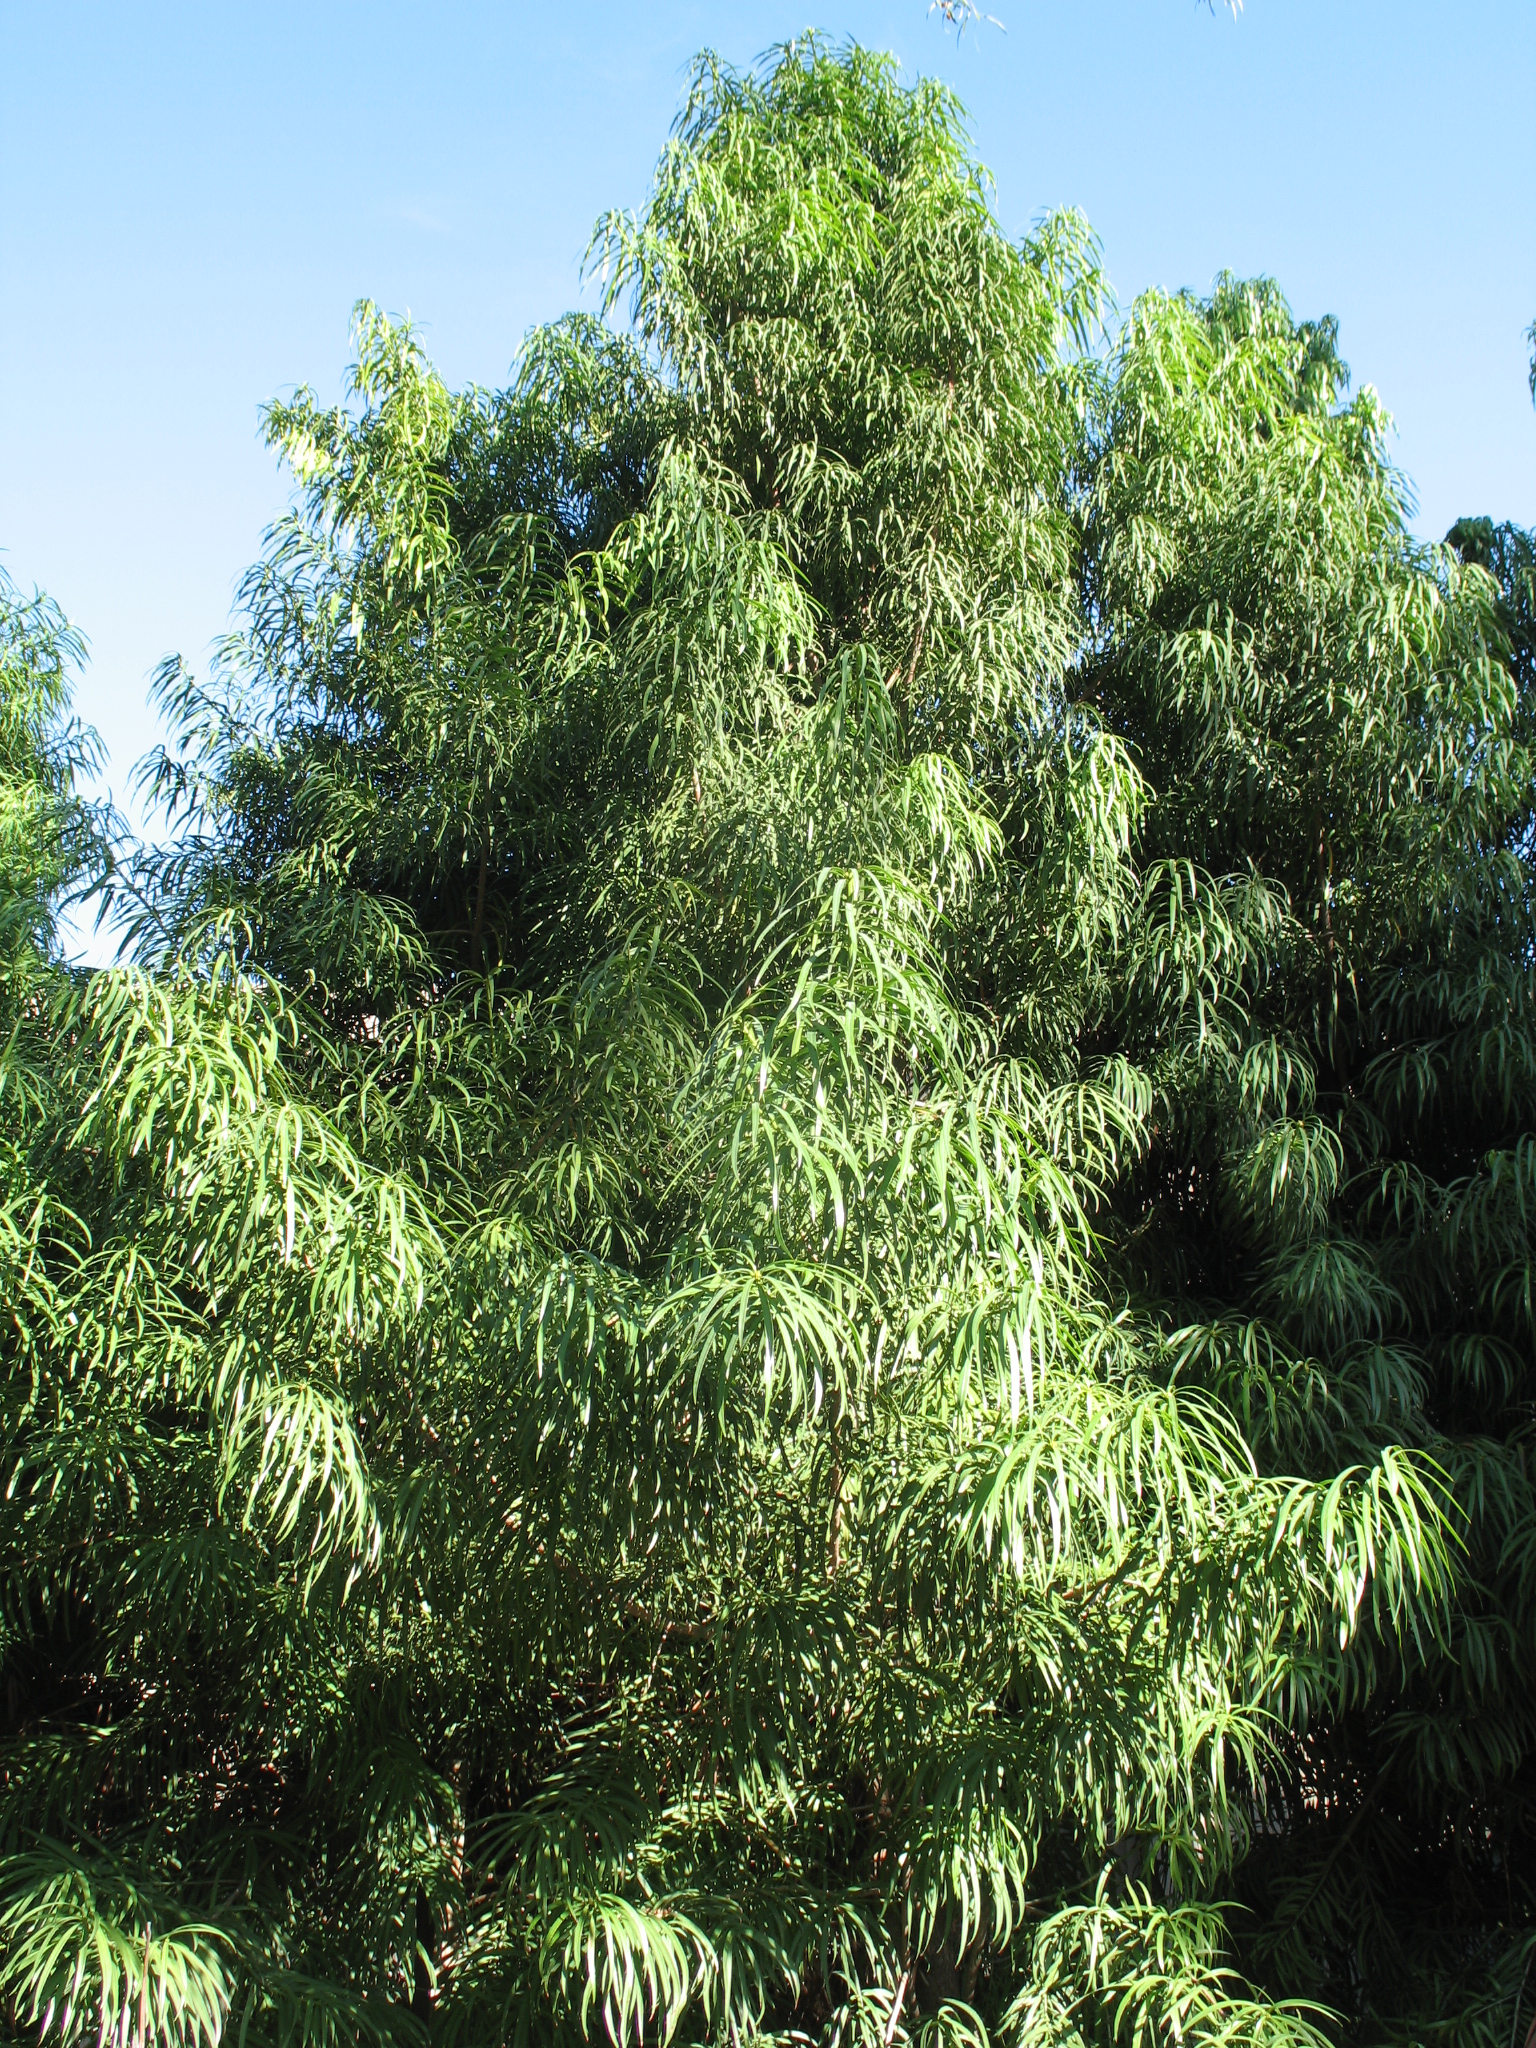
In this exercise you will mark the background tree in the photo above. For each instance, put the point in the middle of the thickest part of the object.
(1335, 1204)
(694, 1347)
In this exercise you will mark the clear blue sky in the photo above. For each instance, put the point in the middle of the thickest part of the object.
(194, 196)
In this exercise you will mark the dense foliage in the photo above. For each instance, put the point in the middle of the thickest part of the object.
(790, 1292)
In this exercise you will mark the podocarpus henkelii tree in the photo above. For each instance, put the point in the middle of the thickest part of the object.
(598, 1440)
(1334, 1208)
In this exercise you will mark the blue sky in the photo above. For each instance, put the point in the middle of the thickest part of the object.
(194, 196)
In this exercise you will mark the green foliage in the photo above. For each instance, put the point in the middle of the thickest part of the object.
(48, 838)
(1333, 1203)
(788, 1294)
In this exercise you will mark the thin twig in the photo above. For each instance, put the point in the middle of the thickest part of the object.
(896, 2004)
(958, 13)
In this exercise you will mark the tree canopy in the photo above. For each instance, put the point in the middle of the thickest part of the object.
(788, 1294)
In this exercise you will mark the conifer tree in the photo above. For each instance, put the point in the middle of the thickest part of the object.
(787, 1295)
(1334, 1211)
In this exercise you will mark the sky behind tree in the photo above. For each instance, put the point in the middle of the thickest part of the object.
(196, 196)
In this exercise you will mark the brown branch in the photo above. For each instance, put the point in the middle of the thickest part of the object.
(971, 1966)
(917, 653)
(897, 2002)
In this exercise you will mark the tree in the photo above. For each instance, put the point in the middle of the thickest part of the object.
(1335, 1204)
(49, 840)
(699, 1346)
